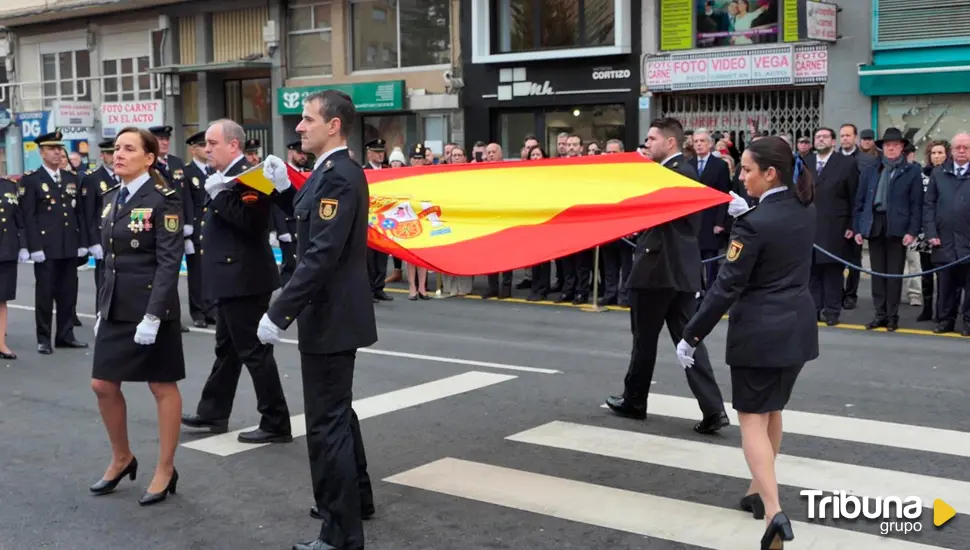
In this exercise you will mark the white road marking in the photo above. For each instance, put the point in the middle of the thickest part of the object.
(858, 430)
(226, 444)
(386, 353)
(729, 461)
(652, 516)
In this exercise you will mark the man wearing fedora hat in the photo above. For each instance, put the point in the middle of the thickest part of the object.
(889, 214)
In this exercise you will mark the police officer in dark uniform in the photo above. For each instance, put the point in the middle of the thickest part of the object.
(13, 250)
(196, 172)
(240, 275)
(251, 150)
(376, 260)
(285, 224)
(772, 331)
(56, 238)
(663, 283)
(94, 183)
(329, 295)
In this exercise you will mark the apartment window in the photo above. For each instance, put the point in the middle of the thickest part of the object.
(66, 76)
(128, 79)
(530, 25)
(413, 33)
(310, 34)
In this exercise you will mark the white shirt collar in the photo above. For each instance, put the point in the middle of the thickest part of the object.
(324, 156)
(136, 184)
(823, 159)
(52, 173)
(233, 163)
(850, 152)
(957, 167)
(201, 165)
(666, 160)
(704, 159)
(772, 192)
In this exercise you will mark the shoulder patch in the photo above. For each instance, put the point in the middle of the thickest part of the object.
(164, 190)
(29, 172)
(327, 165)
(110, 189)
(734, 250)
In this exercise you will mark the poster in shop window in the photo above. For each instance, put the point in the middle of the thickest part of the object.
(722, 23)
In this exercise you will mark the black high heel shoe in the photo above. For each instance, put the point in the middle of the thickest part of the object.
(753, 503)
(106, 486)
(154, 498)
(778, 531)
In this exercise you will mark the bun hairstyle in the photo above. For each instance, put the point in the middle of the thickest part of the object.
(150, 145)
(774, 152)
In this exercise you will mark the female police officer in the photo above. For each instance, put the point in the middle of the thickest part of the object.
(138, 334)
(772, 331)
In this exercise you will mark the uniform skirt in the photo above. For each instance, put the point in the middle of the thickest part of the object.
(759, 390)
(8, 281)
(117, 358)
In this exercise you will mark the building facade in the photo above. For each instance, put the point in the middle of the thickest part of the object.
(756, 65)
(542, 67)
(919, 75)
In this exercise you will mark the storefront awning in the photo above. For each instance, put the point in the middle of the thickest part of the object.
(227, 66)
(914, 79)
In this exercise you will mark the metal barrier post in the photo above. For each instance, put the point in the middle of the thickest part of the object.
(596, 308)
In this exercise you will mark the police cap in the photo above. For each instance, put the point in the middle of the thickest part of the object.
(197, 138)
(376, 145)
(417, 152)
(295, 145)
(106, 145)
(161, 131)
(252, 145)
(52, 139)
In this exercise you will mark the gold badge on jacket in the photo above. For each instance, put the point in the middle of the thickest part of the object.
(734, 250)
(44, 187)
(328, 209)
(11, 198)
(140, 220)
(171, 223)
(107, 209)
(104, 186)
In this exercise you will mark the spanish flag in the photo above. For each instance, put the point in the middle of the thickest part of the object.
(475, 219)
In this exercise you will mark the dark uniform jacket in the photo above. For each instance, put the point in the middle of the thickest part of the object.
(946, 213)
(904, 200)
(194, 182)
(237, 259)
(329, 293)
(53, 214)
(765, 278)
(668, 256)
(173, 170)
(13, 235)
(835, 190)
(716, 175)
(94, 184)
(143, 249)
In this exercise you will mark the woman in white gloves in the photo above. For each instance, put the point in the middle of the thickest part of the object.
(13, 250)
(772, 330)
(138, 334)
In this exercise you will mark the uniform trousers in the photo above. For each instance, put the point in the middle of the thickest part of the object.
(237, 345)
(949, 304)
(288, 251)
(577, 273)
(376, 269)
(826, 285)
(617, 263)
(199, 308)
(650, 309)
(56, 282)
(336, 450)
(541, 280)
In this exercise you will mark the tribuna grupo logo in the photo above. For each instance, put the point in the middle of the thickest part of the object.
(895, 514)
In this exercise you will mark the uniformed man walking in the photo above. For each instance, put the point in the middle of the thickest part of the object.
(196, 172)
(330, 296)
(376, 260)
(56, 238)
(94, 183)
(240, 277)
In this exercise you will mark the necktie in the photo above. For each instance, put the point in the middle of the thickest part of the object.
(700, 166)
(960, 171)
(122, 197)
(57, 177)
(819, 167)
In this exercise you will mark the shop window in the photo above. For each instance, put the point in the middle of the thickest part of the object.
(128, 79)
(529, 25)
(512, 129)
(310, 33)
(395, 130)
(66, 75)
(924, 118)
(414, 33)
(599, 123)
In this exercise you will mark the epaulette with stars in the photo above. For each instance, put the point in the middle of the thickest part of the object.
(327, 165)
(167, 191)
(90, 171)
(110, 189)
(29, 172)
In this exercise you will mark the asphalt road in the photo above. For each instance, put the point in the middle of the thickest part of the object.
(494, 437)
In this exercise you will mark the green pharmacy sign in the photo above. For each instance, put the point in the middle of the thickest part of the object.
(368, 97)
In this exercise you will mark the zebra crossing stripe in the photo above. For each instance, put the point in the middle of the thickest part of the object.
(856, 430)
(643, 514)
(725, 460)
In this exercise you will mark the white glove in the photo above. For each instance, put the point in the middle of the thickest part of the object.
(737, 206)
(38, 257)
(215, 184)
(23, 255)
(189, 247)
(82, 252)
(146, 331)
(187, 230)
(286, 238)
(97, 323)
(97, 252)
(275, 171)
(267, 332)
(685, 354)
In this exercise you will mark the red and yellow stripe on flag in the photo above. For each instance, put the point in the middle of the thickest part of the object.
(474, 219)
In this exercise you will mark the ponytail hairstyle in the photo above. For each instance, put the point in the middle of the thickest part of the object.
(150, 145)
(774, 152)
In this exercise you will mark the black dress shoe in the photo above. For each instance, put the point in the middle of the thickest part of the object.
(314, 545)
(5, 355)
(877, 323)
(77, 322)
(106, 486)
(200, 323)
(779, 530)
(367, 511)
(964, 332)
(622, 407)
(712, 423)
(892, 325)
(849, 303)
(383, 296)
(567, 297)
(753, 503)
(215, 426)
(943, 328)
(259, 436)
(74, 344)
(154, 498)
(44, 349)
